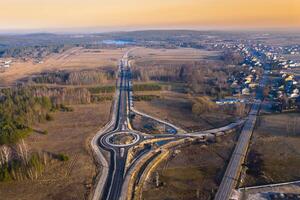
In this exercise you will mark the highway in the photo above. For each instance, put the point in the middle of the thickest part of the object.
(114, 173)
(118, 152)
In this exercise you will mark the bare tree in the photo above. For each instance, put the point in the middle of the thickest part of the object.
(5, 153)
(23, 151)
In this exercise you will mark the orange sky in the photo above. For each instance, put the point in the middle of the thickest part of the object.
(21, 14)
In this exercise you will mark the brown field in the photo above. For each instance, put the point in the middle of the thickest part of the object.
(276, 141)
(180, 54)
(176, 108)
(69, 133)
(194, 173)
(72, 59)
(146, 57)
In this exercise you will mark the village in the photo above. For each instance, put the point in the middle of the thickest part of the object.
(283, 90)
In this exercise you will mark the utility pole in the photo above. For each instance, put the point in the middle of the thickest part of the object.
(157, 179)
(197, 193)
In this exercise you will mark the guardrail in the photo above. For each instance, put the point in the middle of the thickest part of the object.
(99, 157)
(179, 130)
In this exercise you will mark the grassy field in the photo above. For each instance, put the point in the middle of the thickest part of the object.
(181, 54)
(276, 148)
(162, 59)
(72, 59)
(174, 103)
(69, 133)
(176, 108)
(193, 173)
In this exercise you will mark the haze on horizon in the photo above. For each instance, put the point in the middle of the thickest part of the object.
(51, 14)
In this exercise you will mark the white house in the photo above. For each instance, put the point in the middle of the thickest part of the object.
(8, 62)
(245, 91)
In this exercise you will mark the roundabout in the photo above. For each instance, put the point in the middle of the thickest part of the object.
(122, 139)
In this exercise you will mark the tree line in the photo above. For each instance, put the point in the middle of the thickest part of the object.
(87, 77)
(20, 108)
(204, 78)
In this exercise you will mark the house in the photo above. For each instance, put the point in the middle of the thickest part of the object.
(294, 95)
(234, 84)
(289, 78)
(296, 91)
(8, 62)
(246, 91)
(253, 85)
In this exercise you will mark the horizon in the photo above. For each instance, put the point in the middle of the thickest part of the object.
(106, 30)
(117, 15)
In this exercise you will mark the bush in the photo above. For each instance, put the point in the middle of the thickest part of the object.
(4, 173)
(97, 98)
(102, 89)
(64, 108)
(33, 166)
(147, 87)
(10, 135)
(202, 105)
(144, 97)
(36, 163)
(49, 117)
(62, 157)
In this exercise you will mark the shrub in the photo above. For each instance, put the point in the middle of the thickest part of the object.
(62, 157)
(102, 89)
(62, 108)
(4, 173)
(202, 105)
(144, 97)
(147, 87)
(49, 117)
(35, 163)
(65, 108)
(97, 98)
(11, 135)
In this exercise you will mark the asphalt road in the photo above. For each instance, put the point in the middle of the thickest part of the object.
(118, 152)
(231, 177)
(120, 124)
(117, 163)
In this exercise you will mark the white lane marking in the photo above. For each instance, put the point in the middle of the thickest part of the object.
(122, 150)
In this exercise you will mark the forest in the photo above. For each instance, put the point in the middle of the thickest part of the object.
(37, 52)
(19, 108)
(85, 77)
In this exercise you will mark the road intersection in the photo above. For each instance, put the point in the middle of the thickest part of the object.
(110, 183)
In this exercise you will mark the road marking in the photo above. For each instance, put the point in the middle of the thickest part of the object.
(122, 150)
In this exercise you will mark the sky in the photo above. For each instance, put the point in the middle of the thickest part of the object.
(119, 14)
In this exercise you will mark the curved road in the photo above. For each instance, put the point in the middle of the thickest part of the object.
(109, 186)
